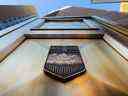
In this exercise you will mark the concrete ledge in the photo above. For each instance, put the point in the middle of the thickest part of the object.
(116, 36)
(10, 47)
(11, 41)
(120, 48)
(65, 34)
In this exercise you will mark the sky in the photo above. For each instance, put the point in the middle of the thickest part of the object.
(45, 6)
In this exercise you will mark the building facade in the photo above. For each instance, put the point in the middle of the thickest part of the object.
(26, 47)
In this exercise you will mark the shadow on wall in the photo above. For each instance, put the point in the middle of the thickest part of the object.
(81, 86)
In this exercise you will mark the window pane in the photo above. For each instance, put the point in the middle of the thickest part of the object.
(64, 25)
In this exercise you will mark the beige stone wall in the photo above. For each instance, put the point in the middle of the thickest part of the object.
(124, 7)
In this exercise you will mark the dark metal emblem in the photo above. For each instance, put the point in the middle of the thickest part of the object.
(64, 63)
